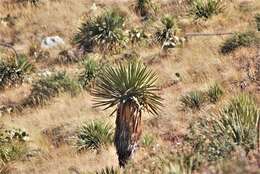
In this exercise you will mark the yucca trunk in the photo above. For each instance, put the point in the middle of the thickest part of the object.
(128, 130)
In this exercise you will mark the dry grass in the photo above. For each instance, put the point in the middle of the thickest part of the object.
(198, 62)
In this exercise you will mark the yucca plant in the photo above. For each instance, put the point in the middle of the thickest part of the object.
(49, 87)
(131, 89)
(206, 8)
(90, 72)
(238, 40)
(12, 72)
(108, 170)
(215, 92)
(104, 32)
(167, 36)
(94, 135)
(193, 100)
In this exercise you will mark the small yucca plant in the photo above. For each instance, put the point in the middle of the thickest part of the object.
(167, 36)
(108, 170)
(12, 73)
(238, 40)
(193, 100)
(104, 32)
(88, 75)
(206, 8)
(49, 87)
(94, 135)
(215, 92)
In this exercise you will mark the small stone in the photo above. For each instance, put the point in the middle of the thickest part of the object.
(52, 41)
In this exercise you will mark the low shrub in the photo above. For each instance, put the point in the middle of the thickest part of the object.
(94, 135)
(193, 100)
(214, 93)
(206, 8)
(238, 40)
(51, 86)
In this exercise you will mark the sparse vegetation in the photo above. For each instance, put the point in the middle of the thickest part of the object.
(193, 100)
(206, 8)
(104, 32)
(238, 40)
(108, 170)
(145, 8)
(94, 135)
(215, 92)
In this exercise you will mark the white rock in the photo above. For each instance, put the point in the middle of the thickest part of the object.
(52, 41)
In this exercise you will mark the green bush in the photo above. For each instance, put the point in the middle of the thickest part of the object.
(193, 100)
(214, 93)
(206, 8)
(236, 125)
(104, 32)
(91, 70)
(12, 72)
(94, 135)
(238, 40)
(257, 19)
(49, 87)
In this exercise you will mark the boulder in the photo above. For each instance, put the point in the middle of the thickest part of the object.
(52, 41)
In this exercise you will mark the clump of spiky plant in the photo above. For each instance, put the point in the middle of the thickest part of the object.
(51, 86)
(104, 32)
(238, 40)
(130, 89)
(206, 8)
(167, 36)
(108, 170)
(193, 100)
(94, 135)
(236, 125)
(214, 93)
(12, 72)
(90, 72)
(257, 19)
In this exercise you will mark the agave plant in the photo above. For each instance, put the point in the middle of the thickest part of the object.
(130, 89)
(167, 36)
(104, 32)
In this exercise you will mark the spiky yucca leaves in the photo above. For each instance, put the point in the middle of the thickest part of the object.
(94, 135)
(12, 73)
(131, 89)
(104, 32)
(88, 75)
(108, 170)
(206, 8)
(49, 87)
(236, 125)
(166, 37)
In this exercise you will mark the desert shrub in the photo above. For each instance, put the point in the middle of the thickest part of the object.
(104, 32)
(214, 93)
(12, 145)
(257, 19)
(236, 125)
(136, 36)
(108, 170)
(238, 40)
(193, 100)
(166, 36)
(206, 8)
(94, 135)
(88, 75)
(12, 72)
(145, 8)
(51, 86)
